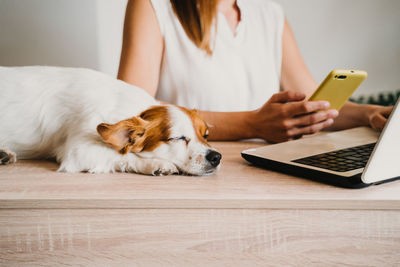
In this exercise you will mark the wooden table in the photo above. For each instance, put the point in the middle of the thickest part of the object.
(241, 216)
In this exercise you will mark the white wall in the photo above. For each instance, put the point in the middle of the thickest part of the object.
(360, 34)
(110, 21)
(48, 32)
(78, 33)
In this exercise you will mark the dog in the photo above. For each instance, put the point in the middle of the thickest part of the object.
(90, 122)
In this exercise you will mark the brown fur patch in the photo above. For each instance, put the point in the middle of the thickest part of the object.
(143, 133)
(158, 129)
(200, 126)
(125, 135)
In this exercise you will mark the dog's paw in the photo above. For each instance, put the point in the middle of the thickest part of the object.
(147, 166)
(7, 157)
(164, 168)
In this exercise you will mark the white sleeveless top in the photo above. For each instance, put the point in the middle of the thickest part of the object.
(243, 71)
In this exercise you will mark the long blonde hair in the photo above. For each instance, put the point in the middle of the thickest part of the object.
(197, 18)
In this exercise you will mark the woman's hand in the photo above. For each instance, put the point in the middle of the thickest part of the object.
(355, 115)
(286, 116)
(378, 116)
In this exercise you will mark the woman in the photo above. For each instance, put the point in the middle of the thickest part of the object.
(226, 58)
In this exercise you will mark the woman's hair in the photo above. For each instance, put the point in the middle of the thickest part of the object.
(197, 18)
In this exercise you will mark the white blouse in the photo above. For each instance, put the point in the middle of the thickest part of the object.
(243, 71)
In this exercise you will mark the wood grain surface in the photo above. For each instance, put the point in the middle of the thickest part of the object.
(199, 237)
(36, 184)
(241, 216)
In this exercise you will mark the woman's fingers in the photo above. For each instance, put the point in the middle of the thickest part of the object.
(312, 118)
(311, 129)
(310, 123)
(300, 108)
(386, 111)
(378, 120)
(287, 96)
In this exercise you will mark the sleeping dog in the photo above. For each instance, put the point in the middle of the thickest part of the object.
(91, 122)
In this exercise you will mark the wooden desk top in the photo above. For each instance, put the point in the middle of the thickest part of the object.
(36, 184)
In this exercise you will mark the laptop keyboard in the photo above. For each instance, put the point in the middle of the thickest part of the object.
(343, 160)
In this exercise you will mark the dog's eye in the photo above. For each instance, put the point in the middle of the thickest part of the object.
(182, 138)
(205, 136)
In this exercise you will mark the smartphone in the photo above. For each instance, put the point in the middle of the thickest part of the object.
(338, 86)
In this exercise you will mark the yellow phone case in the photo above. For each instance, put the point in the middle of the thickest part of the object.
(338, 86)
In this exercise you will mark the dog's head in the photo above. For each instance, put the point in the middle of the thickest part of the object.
(170, 133)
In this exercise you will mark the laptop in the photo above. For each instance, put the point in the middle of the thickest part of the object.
(353, 158)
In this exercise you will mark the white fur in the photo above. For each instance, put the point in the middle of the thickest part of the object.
(51, 112)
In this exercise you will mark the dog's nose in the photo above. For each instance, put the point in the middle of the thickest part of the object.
(213, 157)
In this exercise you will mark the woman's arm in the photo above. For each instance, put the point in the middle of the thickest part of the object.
(142, 47)
(283, 117)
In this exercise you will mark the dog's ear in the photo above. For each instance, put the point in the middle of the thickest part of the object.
(124, 136)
